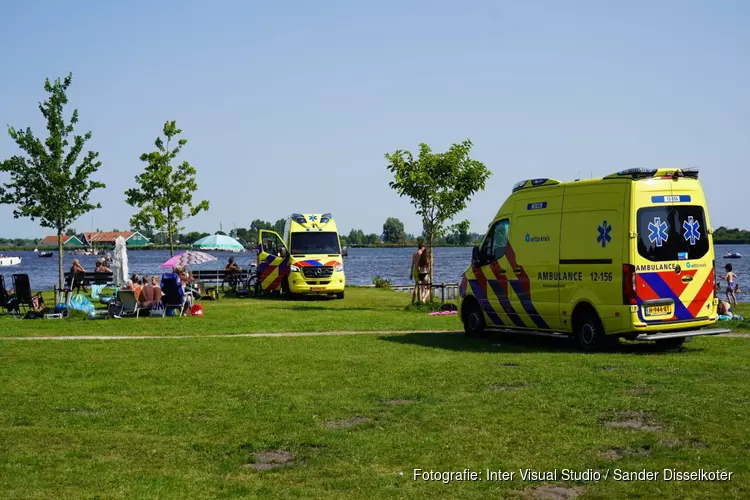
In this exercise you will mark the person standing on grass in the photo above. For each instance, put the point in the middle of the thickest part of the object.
(424, 275)
(731, 286)
(414, 273)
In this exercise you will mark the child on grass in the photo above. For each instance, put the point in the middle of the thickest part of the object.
(732, 286)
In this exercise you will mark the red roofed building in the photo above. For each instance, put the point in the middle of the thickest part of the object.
(68, 241)
(107, 239)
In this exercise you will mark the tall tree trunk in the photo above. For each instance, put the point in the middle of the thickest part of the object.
(432, 264)
(59, 260)
(169, 230)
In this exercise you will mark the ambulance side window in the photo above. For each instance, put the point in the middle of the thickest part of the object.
(500, 239)
(493, 247)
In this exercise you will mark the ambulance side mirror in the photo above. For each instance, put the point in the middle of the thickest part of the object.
(475, 260)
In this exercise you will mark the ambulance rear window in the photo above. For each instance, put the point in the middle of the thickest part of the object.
(672, 233)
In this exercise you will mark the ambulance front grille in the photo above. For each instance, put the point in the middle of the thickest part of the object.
(316, 272)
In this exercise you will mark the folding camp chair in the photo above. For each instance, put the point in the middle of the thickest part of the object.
(5, 300)
(26, 299)
(128, 303)
(173, 296)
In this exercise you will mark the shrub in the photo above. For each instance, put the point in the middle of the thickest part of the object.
(383, 283)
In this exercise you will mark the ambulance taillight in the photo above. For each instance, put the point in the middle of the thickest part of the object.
(629, 290)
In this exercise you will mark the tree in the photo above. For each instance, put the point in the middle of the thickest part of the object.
(165, 195)
(356, 237)
(460, 234)
(222, 233)
(49, 184)
(279, 225)
(439, 184)
(372, 239)
(70, 231)
(393, 231)
(192, 237)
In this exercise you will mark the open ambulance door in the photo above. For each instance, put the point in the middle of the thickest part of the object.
(273, 260)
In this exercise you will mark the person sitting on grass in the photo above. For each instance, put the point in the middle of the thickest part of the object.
(134, 284)
(157, 289)
(77, 273)
(146, 299)
(185, 280)
(101, 267)
(725, 308)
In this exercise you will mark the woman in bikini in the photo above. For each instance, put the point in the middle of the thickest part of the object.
(424, 275)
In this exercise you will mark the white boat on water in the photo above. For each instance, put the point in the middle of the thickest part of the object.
(9, 261)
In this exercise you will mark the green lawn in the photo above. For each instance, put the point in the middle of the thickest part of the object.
(363, 309)
(182, 419)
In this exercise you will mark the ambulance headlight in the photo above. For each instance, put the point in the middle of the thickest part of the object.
(294, 268)
(339, 268)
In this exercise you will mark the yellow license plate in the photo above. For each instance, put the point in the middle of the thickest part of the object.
(317, 289)
(658, 310)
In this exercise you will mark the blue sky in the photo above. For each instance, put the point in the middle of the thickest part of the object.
(290, 106)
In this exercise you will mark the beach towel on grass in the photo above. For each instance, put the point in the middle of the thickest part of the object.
(81, 303)
(724, 317)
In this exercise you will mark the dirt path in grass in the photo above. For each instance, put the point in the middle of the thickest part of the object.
(229, 335)
(239, 335)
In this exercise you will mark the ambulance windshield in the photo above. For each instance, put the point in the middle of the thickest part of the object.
(315, 243)
(672, 233)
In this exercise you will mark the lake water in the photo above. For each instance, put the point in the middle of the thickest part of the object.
(361, 264)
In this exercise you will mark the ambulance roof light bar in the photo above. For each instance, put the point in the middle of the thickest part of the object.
(534, 183)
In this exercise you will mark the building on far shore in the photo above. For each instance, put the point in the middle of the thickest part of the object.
(68, 241)
(107, 239)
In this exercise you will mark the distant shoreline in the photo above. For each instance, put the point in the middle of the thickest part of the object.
(187, 247)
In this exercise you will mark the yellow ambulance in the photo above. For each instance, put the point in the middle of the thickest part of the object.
(307, 260)
(628, 255)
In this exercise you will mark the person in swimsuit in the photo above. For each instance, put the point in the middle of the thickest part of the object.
(424, 275)
(732, 287)
(414, 272)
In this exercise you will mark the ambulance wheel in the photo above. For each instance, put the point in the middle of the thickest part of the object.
(589, 332)
(340, 295)
(473, 319)
(285, 286)
(671, 343)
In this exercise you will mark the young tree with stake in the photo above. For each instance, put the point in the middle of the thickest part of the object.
(165, 196)
(439, 184)
(48, 183)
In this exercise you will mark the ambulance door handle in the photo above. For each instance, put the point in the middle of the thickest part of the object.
(517, 269)
(501, 271)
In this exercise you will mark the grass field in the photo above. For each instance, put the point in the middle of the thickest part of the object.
(347, 414)
(344, 416)
(363, 309)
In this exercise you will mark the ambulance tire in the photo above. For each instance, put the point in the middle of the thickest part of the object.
(340, 295)
(473, 319)
(589, 333)
(671, 343)
(285, 286)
